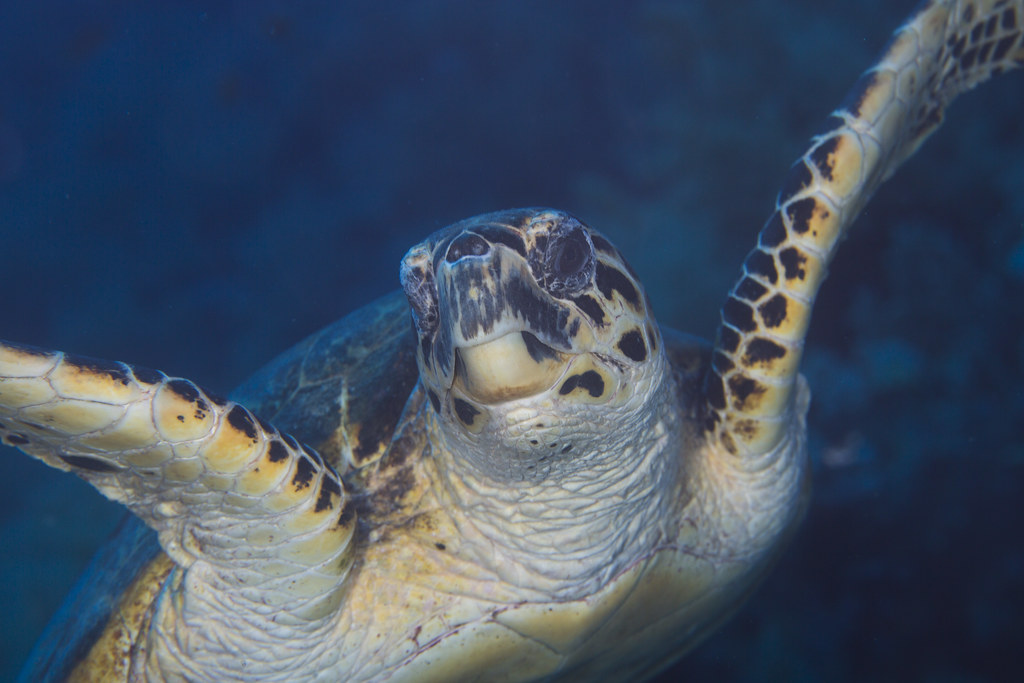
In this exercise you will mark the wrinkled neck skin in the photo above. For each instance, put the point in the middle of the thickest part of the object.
(560, 510)
(748, 507)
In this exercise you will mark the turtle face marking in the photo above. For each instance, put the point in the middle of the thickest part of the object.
(524, 306)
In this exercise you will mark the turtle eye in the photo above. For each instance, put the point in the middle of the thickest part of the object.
(570, 260)
(571, 256)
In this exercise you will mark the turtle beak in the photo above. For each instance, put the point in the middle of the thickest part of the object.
(511, 366)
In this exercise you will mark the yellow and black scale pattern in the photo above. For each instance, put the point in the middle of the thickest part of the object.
(146, 439)
(368, 354)
(191, 465)
(944, 50)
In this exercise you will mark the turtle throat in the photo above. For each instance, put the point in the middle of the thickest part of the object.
(512, 366)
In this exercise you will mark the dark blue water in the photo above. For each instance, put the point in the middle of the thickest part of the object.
(197, 186)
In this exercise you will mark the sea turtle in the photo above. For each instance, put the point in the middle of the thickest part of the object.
(531, 481)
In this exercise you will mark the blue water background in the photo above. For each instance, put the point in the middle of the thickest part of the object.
(196, 186)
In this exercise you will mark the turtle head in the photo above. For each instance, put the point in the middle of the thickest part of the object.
(527, 313)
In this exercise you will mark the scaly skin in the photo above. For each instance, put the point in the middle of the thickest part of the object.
(260, 524)
(682, 504)
(944, 50)
(618, 550)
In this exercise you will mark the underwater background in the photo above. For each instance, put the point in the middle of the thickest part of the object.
(196, 186)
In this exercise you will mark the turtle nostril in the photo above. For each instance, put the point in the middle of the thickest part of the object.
(467, 244)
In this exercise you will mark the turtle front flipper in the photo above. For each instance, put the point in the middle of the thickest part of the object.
(945, 49)
(260, 524)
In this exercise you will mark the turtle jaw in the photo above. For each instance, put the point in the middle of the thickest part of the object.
(515, 365)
